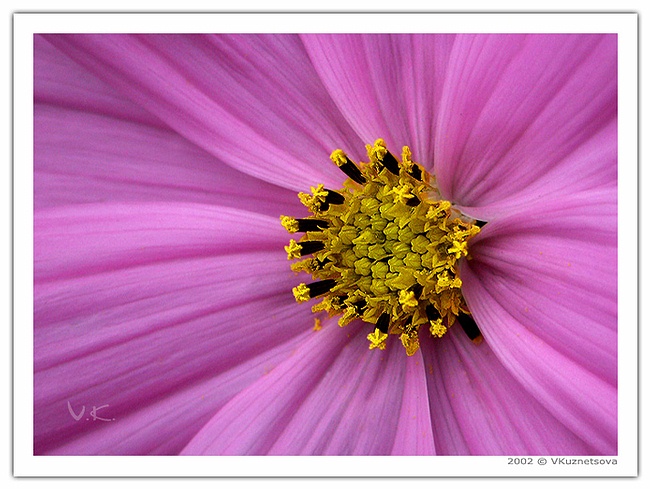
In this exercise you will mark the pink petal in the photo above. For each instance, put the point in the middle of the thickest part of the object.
(69, 241)
(135, 334)
(555, 267)
(478, 407)
(163, 426)
(515, 108)
(81, 157)
(592, 165)
(414, 431)
(334, 396)
(387, 86)
(59, 81)
(253, 101)
(119, 297)
(542, 286)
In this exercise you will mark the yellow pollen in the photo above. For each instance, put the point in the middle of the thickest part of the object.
(440, 208)
(406, 158)
(437, 329)
(349, 315)
(317, 324)
(377, 151)
(388, 249)
(410, 342)
(289, 223)
(458, 249)
(377, 340)
(407, 298)
(293, 250)
(301, 293)
(338, 157)
(402, 193)
(316, 199)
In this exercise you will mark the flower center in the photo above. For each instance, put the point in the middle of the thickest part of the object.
(384, 249)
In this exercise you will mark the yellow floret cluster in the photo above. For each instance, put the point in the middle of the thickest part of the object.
(384, 249)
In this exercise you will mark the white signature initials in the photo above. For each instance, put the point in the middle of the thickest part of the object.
(93, 413)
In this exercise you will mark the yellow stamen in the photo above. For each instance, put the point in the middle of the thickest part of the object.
(349, 315)
(301, 293)
(402, 193)
(406, 158)
(377, 151)
(338, 157)
(377, 340)
(410, 342)
(293, 250)
(437, 328)
(289, 223)
(407, 298)
(458, 249)
(314, 201)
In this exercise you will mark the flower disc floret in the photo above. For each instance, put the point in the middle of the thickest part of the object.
(385, 249)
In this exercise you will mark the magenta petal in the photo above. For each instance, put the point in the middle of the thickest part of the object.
(69, 241)
(515, 107)
(81, 157)
(414, 431)
(542, 286)
(176, 318)
(253, 101)
(554, 268)
(387, 86)
(175, 291)
(60, 82)
(478, 408)
(332, 397)
(92, 144)
(145, 362)
(135, 333)
(592, 165)
(150, 425)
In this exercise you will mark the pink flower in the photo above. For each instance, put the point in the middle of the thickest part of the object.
(164, 318)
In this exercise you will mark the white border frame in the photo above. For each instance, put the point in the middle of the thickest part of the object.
(25, 25)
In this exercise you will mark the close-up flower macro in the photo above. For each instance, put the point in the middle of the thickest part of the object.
(344, 244)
